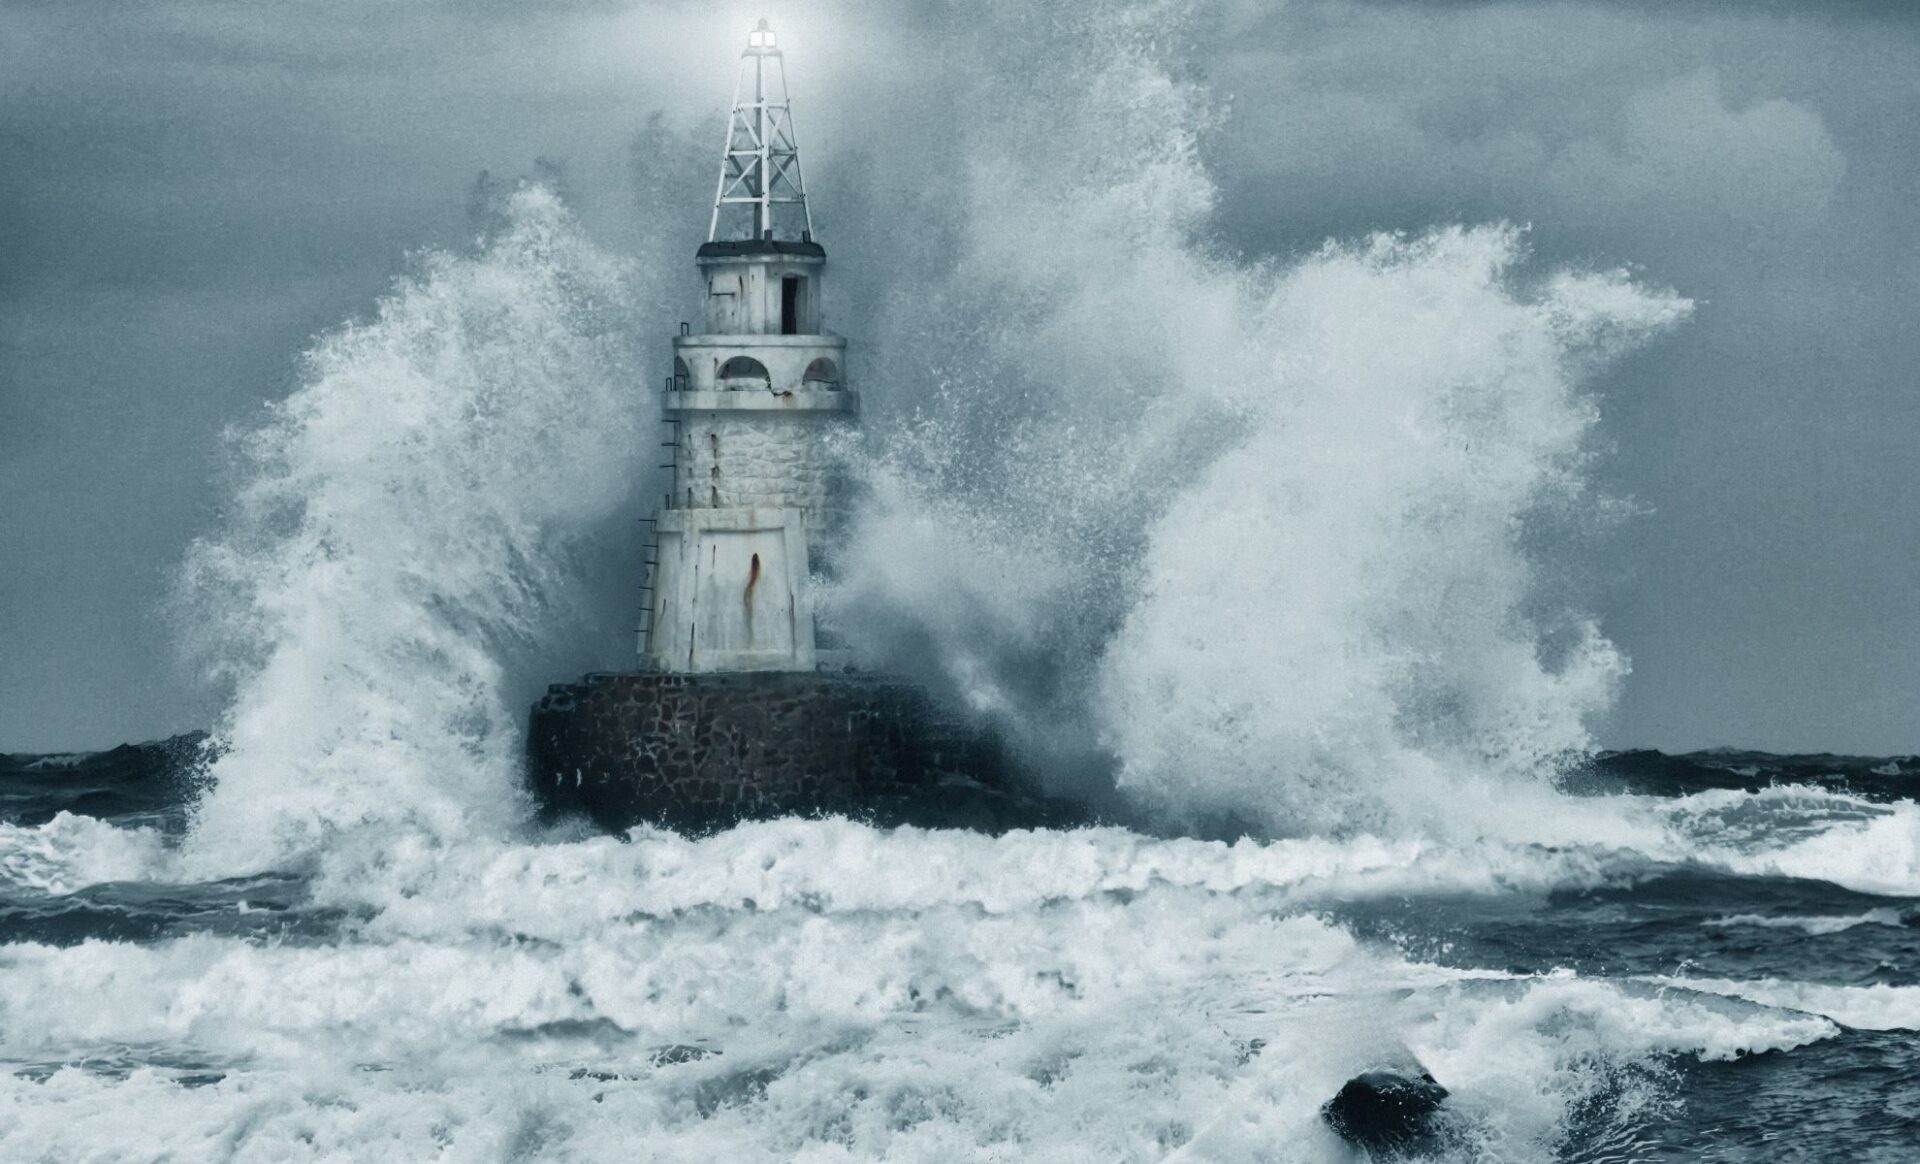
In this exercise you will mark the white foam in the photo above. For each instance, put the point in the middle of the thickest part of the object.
(56, 761)
(1803, 832)
(839, 867)
(1878, 1007)
(938, 997)
(69, 853)
(1880, 854)
(1818, 926)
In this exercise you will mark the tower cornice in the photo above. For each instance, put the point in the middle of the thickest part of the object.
(734, 250)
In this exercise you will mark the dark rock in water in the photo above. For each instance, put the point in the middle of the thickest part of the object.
(707, 751)
(1387, 1112)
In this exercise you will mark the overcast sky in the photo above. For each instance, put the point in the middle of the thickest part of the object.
(188, 191)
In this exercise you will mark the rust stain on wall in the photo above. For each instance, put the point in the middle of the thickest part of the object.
(753, 579)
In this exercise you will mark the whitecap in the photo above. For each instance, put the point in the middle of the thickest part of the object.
(69, 853)
(1818, 926)
(1877, 1007)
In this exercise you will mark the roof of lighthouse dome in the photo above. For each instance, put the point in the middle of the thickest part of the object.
(750, 247)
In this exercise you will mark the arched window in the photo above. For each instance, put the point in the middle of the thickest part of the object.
(744, 373)
(680, 374)
(821, 375)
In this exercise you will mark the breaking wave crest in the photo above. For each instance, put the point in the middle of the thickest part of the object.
(402, 525)
(71, 852)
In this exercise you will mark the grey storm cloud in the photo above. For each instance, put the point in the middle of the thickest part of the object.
(190, 191)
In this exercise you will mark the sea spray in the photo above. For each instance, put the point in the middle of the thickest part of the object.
(1255, 534)
(1339, 619)
(405, 518)
(1048, 384)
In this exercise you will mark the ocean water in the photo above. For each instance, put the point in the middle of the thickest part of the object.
(1280, 554)
(1733, 974)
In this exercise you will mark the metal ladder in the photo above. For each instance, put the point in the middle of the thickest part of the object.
(650, 549)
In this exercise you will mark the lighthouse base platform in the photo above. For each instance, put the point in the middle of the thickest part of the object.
(700, 752)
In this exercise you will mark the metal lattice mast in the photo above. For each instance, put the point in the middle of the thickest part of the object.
(760, 167)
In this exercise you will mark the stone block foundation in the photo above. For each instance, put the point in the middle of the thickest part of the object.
(706, 751)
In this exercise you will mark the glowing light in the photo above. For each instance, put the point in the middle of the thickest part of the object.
(761, 37)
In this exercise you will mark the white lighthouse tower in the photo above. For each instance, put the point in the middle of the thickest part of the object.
(752, 407)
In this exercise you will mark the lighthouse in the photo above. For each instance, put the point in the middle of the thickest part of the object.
(755, 403)
(737, 709)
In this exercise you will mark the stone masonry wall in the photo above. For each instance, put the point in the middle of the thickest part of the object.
(749, 460)
(712, 749)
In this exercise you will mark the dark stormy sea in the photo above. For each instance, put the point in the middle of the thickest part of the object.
(1727, 967)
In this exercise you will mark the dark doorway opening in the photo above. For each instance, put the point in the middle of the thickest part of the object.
(791, 287)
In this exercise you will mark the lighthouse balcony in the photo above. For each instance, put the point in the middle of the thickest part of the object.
(763, 364)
